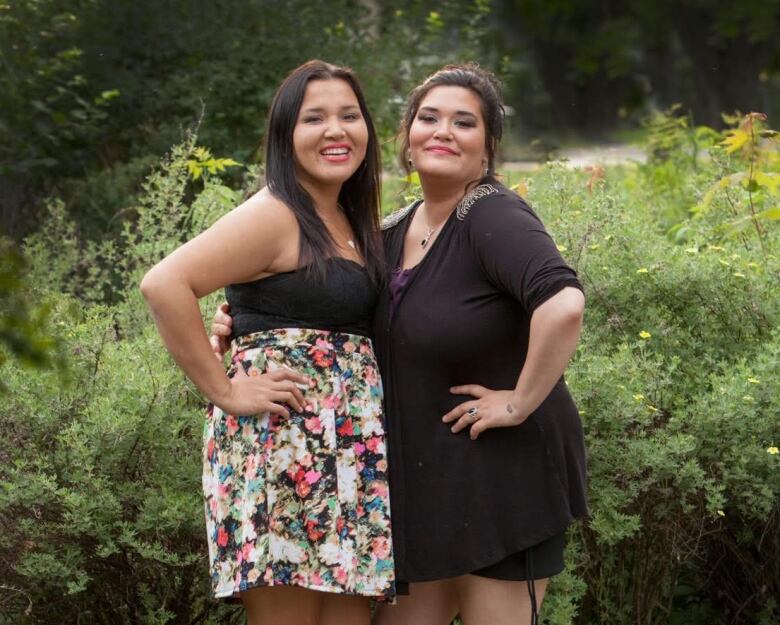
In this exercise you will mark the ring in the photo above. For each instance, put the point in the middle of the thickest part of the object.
(472, 412)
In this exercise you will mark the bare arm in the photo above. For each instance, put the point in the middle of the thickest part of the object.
(555, 330)
(245, 244)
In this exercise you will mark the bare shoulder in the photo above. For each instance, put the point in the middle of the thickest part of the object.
(266, 208)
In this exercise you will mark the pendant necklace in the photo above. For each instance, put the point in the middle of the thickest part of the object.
(427, 237)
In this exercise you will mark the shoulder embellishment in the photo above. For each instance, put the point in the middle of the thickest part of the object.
(468, 200)
(396, 216)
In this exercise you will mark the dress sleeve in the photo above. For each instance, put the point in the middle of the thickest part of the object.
(515, 251)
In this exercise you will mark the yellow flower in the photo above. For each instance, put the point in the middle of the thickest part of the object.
(608, 237)
(692, 250)
(737, 274)
(773, 451)
(652, 408)
(721, 513)
(642, 270)
(644, 334)
(561, 248)
(754, 380)
(595, 246)
(639, 397)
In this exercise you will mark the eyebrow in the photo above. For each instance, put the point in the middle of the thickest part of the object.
(319, 109)
(433, 109)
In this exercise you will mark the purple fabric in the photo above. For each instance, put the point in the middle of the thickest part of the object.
(398, 282)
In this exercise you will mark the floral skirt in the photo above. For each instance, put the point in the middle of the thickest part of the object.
(304, 500)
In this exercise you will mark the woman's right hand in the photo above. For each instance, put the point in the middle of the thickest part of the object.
(264, 392)
(221, 330)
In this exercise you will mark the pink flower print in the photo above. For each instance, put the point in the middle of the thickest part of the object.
(303, 489)
(331, 402)
(370, 375)
(316, 579)
(322, 353)
(364, 348)
(379, 489)
(340, 574)
(222, 537)
(380, 546)
(246, 552)
(314, 425)
(313, 476)
(232, 425)
(374, 443)
(359, 448)
(223, 490)
(349, 347)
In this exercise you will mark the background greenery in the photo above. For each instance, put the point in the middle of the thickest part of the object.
(100, 505)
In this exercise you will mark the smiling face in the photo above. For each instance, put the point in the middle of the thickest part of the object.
(330, 135)
(447, 135)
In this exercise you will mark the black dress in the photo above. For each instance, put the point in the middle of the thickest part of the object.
(464, 317)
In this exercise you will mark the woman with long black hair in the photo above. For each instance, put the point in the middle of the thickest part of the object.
(294, 467)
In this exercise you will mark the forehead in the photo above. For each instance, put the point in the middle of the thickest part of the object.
(332, 92)
(452, 98)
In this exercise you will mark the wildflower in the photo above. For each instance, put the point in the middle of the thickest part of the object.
(644, 334)
(652, 408)
(773, 451)
(608, 237)
(721, 513)
(639, 397)
(595, 246)
(754, 380)
(561, 248)
(642, 270)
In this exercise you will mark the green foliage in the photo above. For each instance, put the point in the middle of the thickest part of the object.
(100, 501)
(675, 379)
(675, 376)
(23, 325)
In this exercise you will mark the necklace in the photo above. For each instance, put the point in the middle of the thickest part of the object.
(430, 230)
(337, 230)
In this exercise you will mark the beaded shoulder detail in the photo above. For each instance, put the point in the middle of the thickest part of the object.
(394, 218)
(468, 200)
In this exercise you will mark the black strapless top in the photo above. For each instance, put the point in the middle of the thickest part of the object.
(343, 302)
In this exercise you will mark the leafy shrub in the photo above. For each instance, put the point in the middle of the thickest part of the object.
(675, 376)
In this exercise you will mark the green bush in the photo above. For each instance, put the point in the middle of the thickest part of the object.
(100, 501)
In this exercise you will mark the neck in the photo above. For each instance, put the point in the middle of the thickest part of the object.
(325, 197)
(441, 197)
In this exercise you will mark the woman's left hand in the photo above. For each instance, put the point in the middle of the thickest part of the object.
(490, 409)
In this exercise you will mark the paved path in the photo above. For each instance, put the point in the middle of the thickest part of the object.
(614, 154)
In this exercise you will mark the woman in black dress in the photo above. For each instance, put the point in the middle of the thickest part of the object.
(473, 335)
(481, 316)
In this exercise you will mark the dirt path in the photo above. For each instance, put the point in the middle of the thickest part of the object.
(613, 154)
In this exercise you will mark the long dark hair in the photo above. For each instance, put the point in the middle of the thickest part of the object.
(360, 194)
(470, 76)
